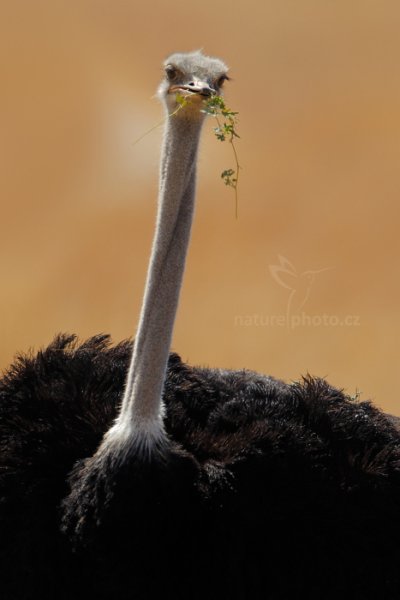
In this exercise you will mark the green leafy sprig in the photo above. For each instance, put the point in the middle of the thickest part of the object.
(225, 131)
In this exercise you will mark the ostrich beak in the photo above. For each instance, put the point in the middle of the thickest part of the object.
(201, 88)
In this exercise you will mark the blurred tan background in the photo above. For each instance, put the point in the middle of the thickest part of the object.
(317, 85)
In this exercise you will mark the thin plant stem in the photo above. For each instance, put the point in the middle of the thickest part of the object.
(238, 167)
(139, 139)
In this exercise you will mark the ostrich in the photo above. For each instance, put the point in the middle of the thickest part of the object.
(131, 475)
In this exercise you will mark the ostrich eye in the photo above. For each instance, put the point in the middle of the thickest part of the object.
(221, 80)
(171, 73)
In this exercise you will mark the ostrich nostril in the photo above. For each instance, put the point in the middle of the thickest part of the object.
(207, 91)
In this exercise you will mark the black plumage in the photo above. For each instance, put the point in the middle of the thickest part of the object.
(264, 490)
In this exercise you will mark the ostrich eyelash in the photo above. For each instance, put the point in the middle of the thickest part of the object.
(221, 80)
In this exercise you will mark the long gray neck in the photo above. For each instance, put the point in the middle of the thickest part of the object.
(141, 409)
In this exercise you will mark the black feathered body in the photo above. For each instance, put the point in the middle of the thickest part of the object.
(265, 491)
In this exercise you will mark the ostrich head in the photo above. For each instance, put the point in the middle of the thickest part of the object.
(193, 76)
